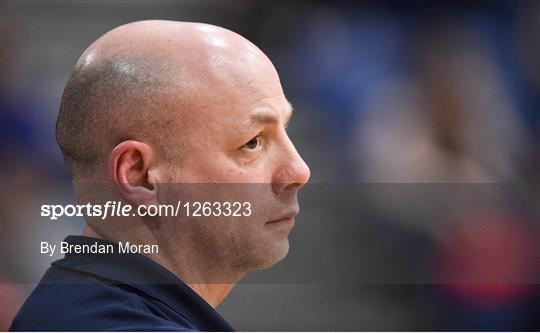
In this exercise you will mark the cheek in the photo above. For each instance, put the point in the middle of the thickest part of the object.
(220, 168)
(248, 175)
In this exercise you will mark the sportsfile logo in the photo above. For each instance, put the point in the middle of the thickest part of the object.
(120, 209)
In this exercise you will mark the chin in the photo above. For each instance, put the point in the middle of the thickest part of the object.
(258, 248)
(273, 254)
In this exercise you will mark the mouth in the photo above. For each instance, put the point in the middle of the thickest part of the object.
(286, 219)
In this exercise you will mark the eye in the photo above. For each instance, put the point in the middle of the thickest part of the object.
(253, 143)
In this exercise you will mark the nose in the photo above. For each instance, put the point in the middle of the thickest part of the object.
(293, 172)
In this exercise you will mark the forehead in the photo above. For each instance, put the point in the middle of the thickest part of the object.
(236, 89)
(224, 81)
(245, 104)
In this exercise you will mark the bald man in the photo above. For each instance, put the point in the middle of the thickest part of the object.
(162, 112)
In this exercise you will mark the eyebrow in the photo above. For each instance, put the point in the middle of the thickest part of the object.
(265, 116)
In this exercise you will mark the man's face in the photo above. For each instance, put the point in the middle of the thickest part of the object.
(235, 148)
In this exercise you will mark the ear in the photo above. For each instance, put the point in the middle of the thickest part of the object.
(131, 166)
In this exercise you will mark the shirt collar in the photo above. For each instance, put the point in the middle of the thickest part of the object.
(146, 276)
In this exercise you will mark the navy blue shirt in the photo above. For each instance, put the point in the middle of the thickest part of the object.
(114, 292)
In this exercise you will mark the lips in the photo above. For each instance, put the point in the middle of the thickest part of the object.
(287, 218)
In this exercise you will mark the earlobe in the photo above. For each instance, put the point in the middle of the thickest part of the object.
(130, 163)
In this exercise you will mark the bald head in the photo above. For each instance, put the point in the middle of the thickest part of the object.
(147, 81)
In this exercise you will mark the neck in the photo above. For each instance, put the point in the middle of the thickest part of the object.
(212, 293)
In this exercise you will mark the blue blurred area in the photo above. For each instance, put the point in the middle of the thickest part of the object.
(383, 92)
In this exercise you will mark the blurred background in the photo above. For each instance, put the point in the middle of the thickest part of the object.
(420, 121)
